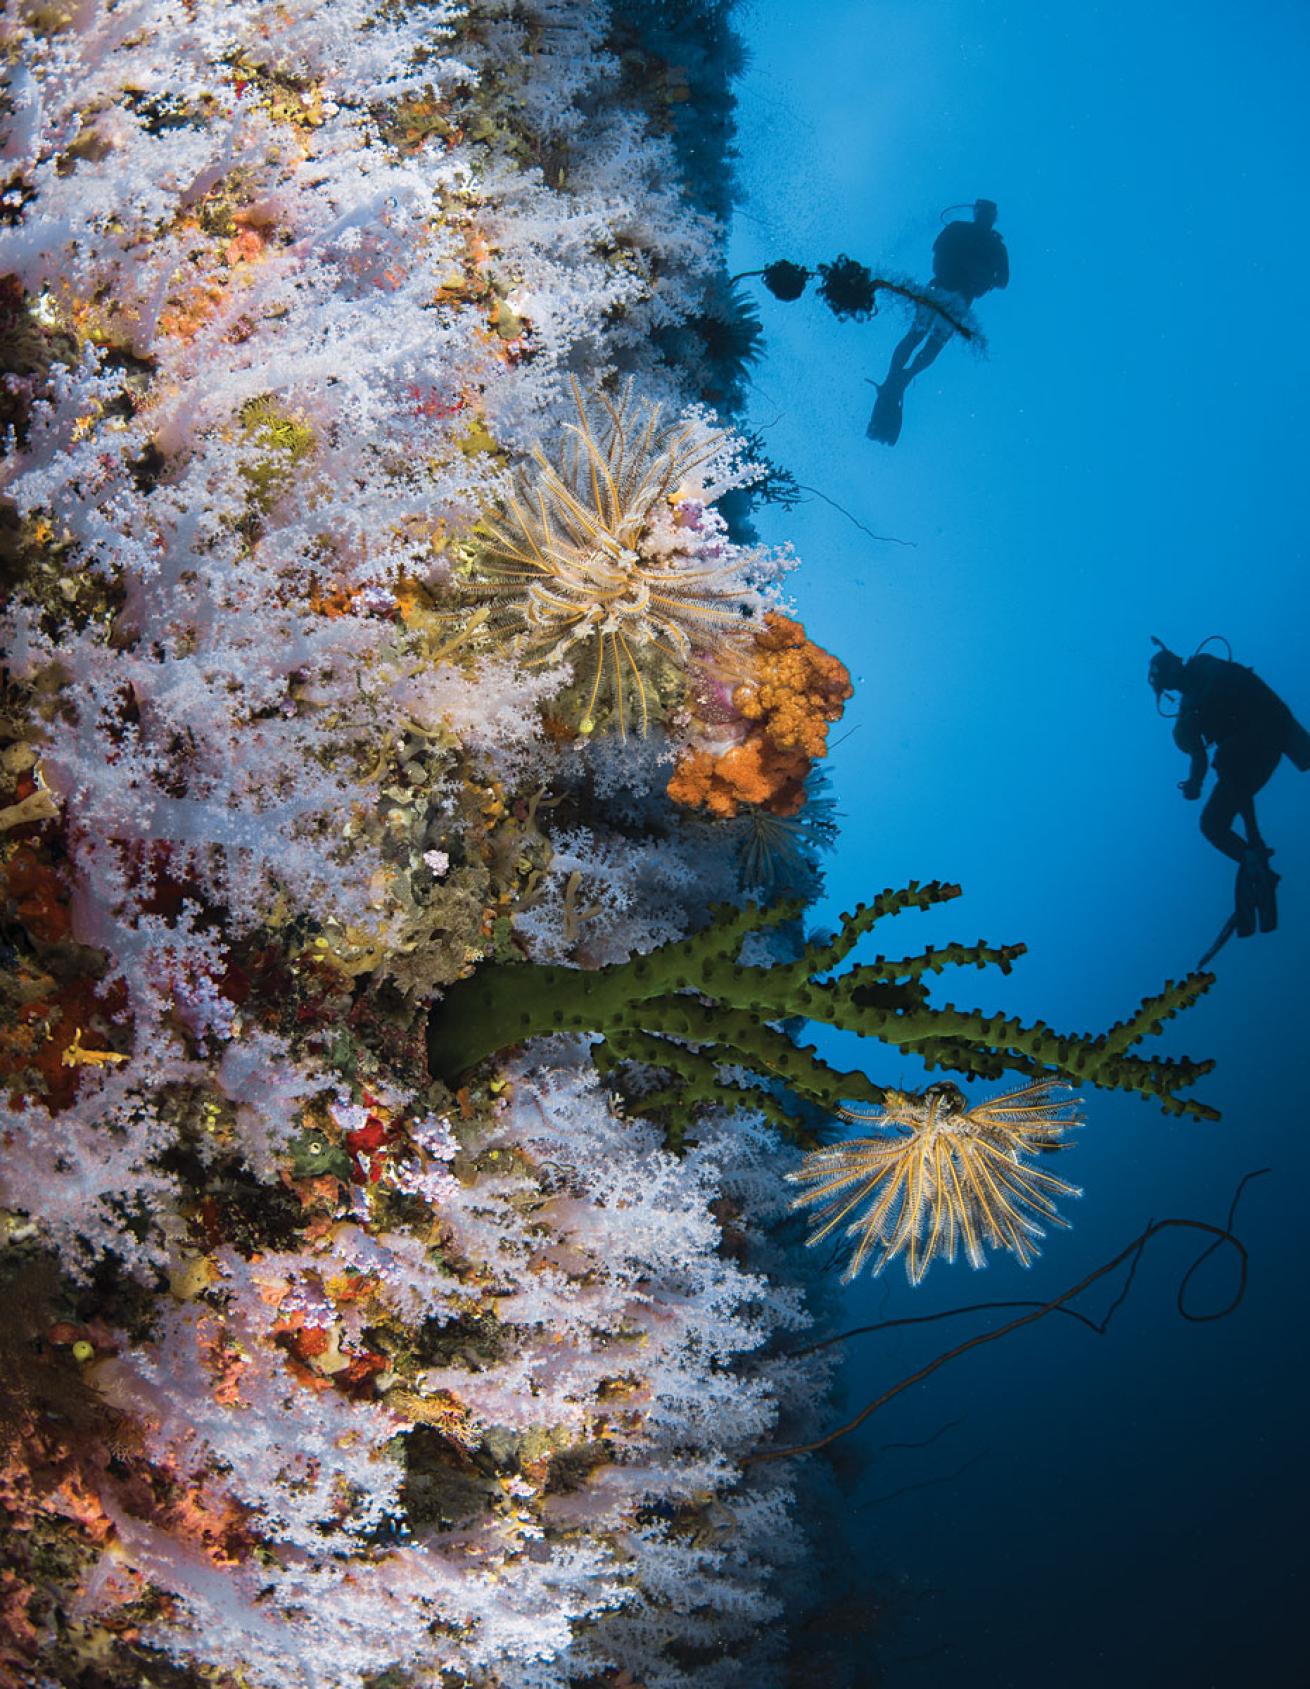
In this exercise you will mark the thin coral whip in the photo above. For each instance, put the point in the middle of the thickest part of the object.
(1220, 1235)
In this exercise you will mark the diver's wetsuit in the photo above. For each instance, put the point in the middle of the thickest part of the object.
(1228, 706)
(969, 260)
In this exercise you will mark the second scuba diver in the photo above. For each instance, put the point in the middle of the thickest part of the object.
(1226, 705)
(968, 260)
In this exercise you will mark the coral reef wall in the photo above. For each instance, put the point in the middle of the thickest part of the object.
(319, 1374)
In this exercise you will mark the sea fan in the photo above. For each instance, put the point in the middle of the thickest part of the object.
(945, 1174)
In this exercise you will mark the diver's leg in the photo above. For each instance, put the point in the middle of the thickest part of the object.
(1243, 770)
(901, 356)
(888, 411)
(942, 316)
(885, 423)
(1244, 764)
(1262, 759)
(1217, 817)
(1257, 884)
(932, 349)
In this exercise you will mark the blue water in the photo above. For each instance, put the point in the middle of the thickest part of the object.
(1129, 459)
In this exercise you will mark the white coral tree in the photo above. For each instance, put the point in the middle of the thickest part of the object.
(284, 396)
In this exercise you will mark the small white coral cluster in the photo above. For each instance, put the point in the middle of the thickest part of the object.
(390, 1382)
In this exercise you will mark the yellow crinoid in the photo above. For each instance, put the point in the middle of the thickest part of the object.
(610, 560)
(944, 1175)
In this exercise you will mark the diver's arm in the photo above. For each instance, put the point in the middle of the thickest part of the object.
(1187, 737)
(1001, 269)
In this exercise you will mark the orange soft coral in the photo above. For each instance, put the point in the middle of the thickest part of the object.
(793, 691)
(754, 772)
(796, 688)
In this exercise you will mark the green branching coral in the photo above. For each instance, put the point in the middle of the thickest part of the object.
(692, 1009)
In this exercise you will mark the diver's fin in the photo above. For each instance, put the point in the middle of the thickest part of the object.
(1256, 893)
(885, 423)
(1297, 747)
(1225, 933)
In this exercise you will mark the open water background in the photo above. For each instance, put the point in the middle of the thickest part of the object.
(1129, 459)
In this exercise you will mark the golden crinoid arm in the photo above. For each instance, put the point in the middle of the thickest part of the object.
(894, 1219)
(945, 1175)
(682, 579)
(657, 461)
(995, 1206)
(607, 497)
(517, 535)
(869, 1174)
(650, 465)
(1043, 1109)
(591, 527)
(841, 1177)
(632, 471)
(949, 1218)
(618, 480)
(638, 683)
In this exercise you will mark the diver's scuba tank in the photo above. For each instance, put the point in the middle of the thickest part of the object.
(1297, 747)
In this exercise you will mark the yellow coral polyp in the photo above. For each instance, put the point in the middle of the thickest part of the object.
(76, 1055)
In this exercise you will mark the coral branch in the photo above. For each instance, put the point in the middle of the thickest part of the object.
(692, 1007)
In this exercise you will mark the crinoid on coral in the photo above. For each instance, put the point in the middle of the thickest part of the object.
(944, 1174)
(612, 561)
(772, 854)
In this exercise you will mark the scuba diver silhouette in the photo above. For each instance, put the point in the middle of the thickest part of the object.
(1224, 704)
(968, 260)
